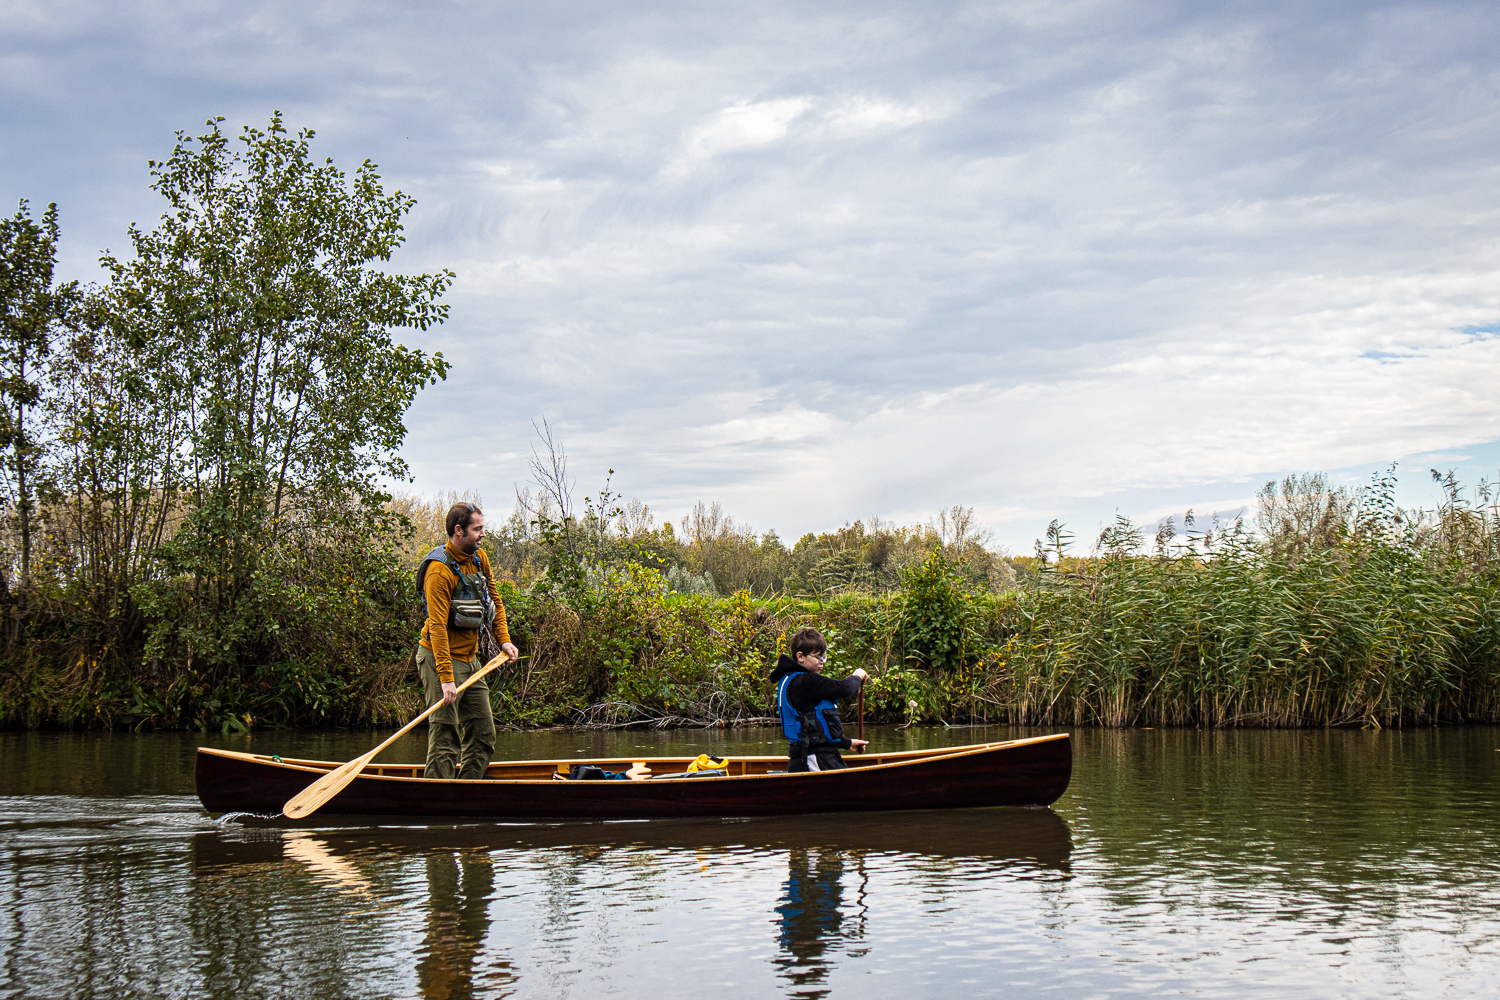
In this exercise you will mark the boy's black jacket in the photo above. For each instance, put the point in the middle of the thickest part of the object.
(806, 691)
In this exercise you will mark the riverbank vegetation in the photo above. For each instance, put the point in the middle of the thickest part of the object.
(1335, 607)
(194, 535)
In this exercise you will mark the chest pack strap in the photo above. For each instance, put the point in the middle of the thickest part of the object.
(470, 606)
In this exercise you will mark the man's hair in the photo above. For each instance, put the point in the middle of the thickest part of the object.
(460, 514)
(808, 640)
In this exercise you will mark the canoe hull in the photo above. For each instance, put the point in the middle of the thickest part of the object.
(1022, 772)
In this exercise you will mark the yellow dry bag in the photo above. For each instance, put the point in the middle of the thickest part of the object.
(707, 763)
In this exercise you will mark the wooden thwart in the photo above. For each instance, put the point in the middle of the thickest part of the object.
(316, 795)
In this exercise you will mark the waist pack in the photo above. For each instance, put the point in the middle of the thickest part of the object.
(467, 615)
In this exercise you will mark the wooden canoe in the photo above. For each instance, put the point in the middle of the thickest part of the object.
(1010, 773)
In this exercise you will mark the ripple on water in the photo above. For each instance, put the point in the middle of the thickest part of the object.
(1244, 865)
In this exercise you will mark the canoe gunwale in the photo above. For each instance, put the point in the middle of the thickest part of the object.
(912, 757)
(1027, 772)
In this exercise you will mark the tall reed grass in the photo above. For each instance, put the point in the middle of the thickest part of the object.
(1343, 610)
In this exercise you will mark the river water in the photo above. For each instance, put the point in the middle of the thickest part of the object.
(1217, 864)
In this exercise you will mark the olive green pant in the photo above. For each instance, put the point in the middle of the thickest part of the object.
(460, 736)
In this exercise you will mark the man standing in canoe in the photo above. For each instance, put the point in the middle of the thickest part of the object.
(808, 704)
(458, 588)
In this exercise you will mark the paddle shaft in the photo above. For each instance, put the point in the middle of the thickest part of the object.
(316, 795)
(861, 713)
(497, 661)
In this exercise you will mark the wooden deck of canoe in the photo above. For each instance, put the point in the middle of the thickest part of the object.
(1014, 772)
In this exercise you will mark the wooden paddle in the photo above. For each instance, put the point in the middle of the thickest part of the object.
(861, 713)
(316, 795)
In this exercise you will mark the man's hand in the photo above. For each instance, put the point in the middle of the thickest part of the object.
(450, 692)
(858, 745)
(860, 673)
(511, 651)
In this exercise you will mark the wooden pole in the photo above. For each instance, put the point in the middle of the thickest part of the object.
(316, 795)
(861, 713)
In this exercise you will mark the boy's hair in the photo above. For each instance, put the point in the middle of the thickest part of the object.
(460, 514)
(808, 640)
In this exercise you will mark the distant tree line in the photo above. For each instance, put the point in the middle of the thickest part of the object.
(709, 553)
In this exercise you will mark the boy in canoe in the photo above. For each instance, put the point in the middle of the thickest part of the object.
(808, 704)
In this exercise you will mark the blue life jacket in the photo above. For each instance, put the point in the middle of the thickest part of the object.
(469, 607)
(807, 731)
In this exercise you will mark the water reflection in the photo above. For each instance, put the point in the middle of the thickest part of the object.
(1025, 839)
(812, 918)
(592, 885)
(1222, 864)
(315, 855)
(459, 887)
(824, 907)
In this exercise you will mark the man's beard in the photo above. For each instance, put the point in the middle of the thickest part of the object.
(469, 546)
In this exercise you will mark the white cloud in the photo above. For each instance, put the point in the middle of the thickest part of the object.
(794, 423)
(861, 114)
(744, 125)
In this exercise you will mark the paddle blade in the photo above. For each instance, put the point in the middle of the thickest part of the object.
(316, 795)
(312, 798)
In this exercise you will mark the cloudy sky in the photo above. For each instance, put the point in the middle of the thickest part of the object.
(825, 261)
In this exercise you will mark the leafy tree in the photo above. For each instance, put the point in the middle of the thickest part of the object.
(937, 616)
(113, 468)
(260, 318)
(31, 311)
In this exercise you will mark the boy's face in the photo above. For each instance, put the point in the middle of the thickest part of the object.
(812, 661)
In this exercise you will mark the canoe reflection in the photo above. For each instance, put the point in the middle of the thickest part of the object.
(819, 909)
(1010, 837)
